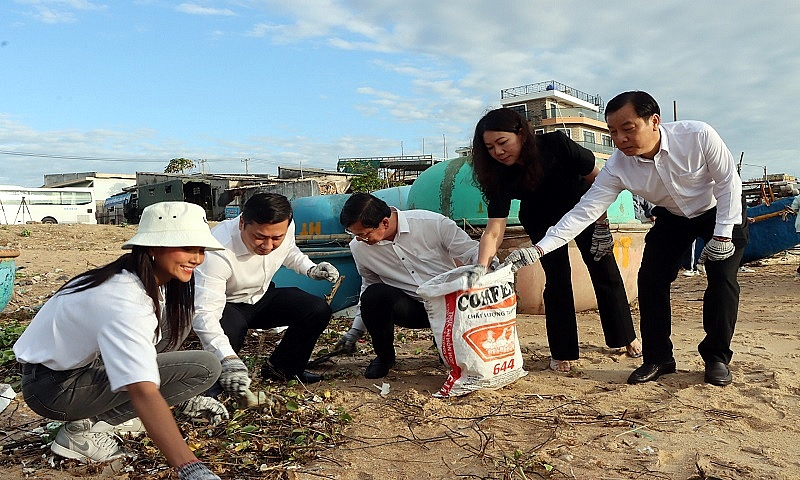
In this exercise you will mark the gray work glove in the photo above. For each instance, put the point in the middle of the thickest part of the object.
(716, 249)
(523, 257)
(347, 344)
(200, 407)
(196, 471)
(323, 271)
(494, 264)
(602, 241)
(234, 378)
(474, 275)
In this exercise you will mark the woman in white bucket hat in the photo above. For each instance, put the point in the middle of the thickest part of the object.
(100, 352)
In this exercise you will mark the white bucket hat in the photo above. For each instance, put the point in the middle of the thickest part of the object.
(173, 224)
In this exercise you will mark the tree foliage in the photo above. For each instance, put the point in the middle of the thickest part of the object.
(179, 165)
(368, 179)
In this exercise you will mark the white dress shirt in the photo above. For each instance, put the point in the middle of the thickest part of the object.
(692, 172)
(114, 320)
(425, 245)
(237, 275)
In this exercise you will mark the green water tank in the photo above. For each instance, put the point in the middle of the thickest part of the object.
(447, 188)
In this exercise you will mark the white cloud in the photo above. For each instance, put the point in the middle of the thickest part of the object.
(194, 9)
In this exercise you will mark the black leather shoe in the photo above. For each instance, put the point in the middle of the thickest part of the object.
(717, 373)
(378, 368)
(651, 371)
(268, 372)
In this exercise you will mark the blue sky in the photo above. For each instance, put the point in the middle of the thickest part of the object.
(120, 87)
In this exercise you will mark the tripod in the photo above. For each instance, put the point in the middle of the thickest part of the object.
(23, 207)
(5, 220)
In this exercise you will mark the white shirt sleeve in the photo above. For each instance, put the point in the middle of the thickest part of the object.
(368, 277)
(593, 204)
(727, 184)
(211, 280)
(297, 260)
(457, 242)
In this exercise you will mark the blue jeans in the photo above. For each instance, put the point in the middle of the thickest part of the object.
(85, 392)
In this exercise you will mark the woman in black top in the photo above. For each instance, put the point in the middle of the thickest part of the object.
(548, 173)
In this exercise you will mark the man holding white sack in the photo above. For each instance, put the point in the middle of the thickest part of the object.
(395, 252)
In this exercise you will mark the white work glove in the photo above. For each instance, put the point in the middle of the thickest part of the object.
(717, 249)
(234, 378)
(200, 407)
(474, 274)
(196, 471)
(347, 343)
(323, 271)
(602, 241)
(523, 257)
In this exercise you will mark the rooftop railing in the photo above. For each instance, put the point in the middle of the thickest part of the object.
(551, 85)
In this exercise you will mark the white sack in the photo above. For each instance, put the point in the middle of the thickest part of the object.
(475, 330)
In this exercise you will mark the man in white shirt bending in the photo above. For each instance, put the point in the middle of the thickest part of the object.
(685, 169)
(235, 292)
(396, 252)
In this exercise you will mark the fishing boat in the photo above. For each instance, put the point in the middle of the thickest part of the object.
(771, 229)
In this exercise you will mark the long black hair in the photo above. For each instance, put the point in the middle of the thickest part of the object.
(178, 296)
(487, 172)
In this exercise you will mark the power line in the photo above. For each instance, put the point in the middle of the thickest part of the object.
(77, 157)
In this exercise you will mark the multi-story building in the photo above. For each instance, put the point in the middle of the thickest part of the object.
(551, 106)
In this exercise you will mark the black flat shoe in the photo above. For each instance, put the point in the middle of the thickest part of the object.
(651, 371)
(378, 368)
(717, 373)
(268, 372)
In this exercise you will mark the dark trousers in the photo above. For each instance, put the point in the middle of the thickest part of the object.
(383, 307)
(306, 316)
(559, 300)
(665, 245)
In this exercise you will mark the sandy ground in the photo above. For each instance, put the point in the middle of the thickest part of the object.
(588, 424)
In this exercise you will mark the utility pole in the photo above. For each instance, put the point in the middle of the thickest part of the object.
(202, 166)
(246, 165)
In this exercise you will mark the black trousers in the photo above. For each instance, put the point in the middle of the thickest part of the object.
(306, 316)
(559, 300)
(665, 245)
(383, 307)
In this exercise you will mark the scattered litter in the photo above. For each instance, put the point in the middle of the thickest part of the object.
(384, 389)
(6, 395)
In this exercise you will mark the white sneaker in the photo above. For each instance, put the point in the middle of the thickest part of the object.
(689, 273)
(133, 426)
(80, 441)
(744, 269)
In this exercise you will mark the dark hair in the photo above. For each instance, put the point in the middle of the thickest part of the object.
(487, 172)
(266, 209)
(179, 296)
(365, 208)
(643, 103)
